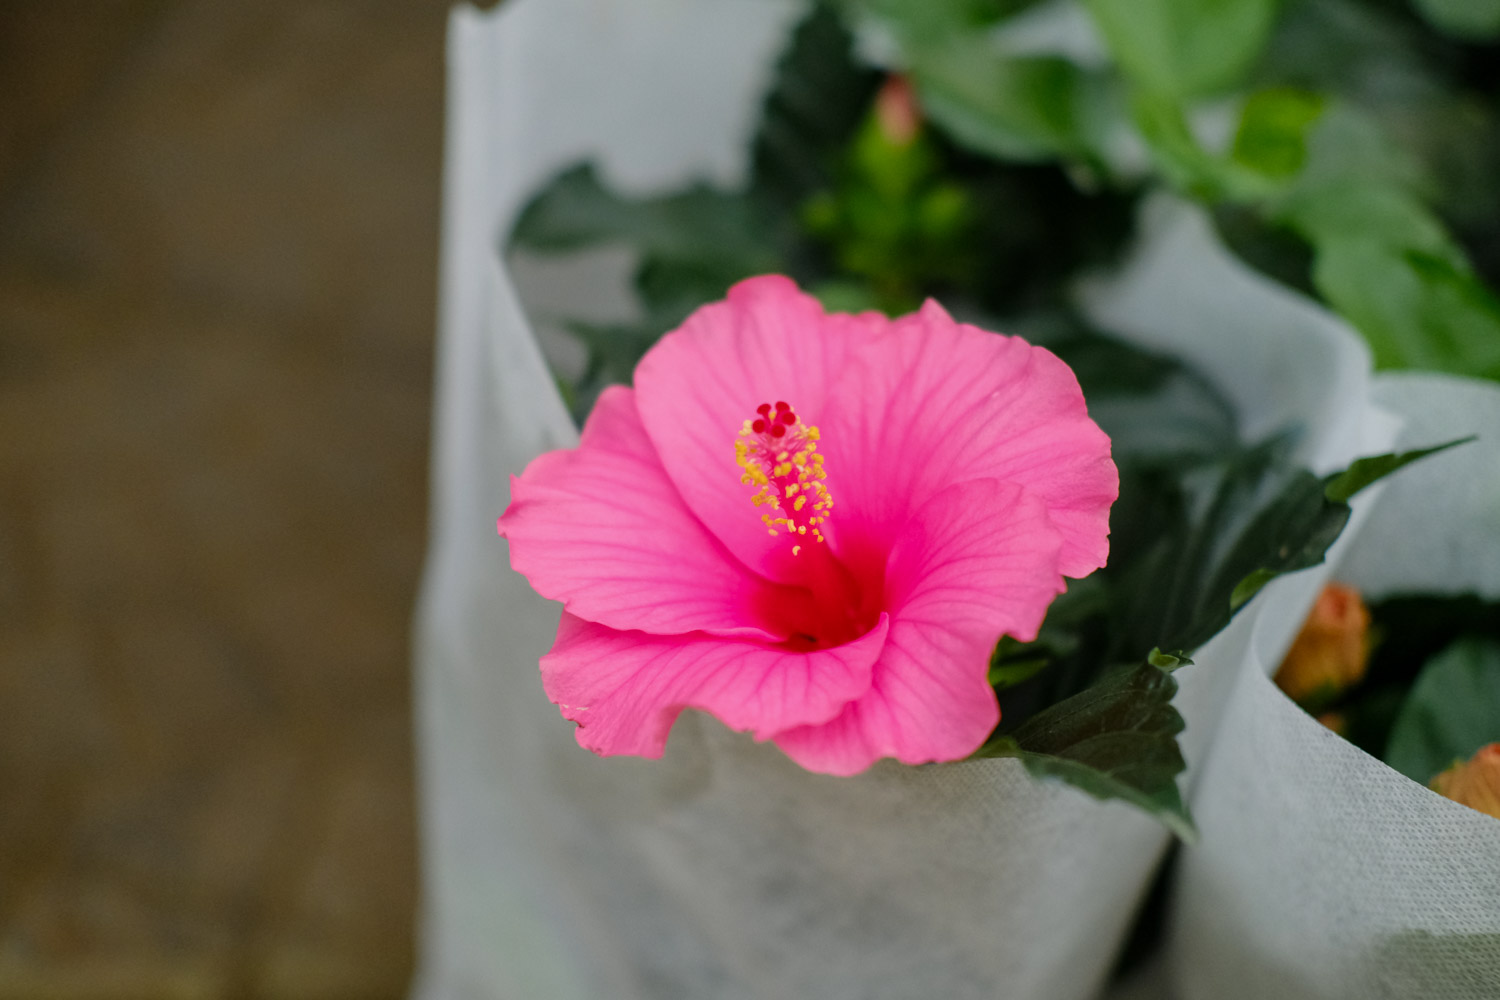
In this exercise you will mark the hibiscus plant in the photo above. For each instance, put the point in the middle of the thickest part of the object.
(851, 520)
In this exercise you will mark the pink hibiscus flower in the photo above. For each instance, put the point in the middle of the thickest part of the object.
(813, 526)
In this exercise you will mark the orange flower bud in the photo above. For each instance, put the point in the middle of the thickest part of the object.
(1475, 783)
(1329, 655)
(896, 111)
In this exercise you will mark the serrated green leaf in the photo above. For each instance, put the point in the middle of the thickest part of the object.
(1116, 740)
(1256, 517)
(1342, 486)
(1184, 48)
(1453, 710)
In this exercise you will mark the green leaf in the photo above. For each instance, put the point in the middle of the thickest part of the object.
(1416, 309)
(1008, 673)
(1184, 48)
(1010, 107)
(1273, 130)
(1373, 210)
(1452, 710)
(1255, 517)
(1340, 487)
(1116, 740)
(711, 228)
(1468, 19)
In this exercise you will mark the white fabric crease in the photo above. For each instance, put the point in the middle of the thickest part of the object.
(1323, 873)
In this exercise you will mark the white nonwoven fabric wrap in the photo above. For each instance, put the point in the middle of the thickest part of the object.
(723, 870)
(1323, 873)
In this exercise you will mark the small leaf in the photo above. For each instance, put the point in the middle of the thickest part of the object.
(1339, 488)
(1272, 136)
(1453, 710)
(1249, 586)
(1167, 661)
(1009, 673)
(1116, 740)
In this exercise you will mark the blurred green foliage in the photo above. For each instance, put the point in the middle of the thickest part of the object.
(1360, 154)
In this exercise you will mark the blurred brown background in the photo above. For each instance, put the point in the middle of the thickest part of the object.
(218, 232)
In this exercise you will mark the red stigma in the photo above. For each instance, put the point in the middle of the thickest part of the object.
(781, 405)
(788, 418)
(764, 409)
(778, 431)
(759, 427)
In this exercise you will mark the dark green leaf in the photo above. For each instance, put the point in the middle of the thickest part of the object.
(1364, 471)
(1255, 518)
(1116, 740)
(1452, 710)
(1184, 48)
(1154, 409)
(713, 228)
(818, 97)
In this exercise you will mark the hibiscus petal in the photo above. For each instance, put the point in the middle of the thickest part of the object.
(934, 402)
(625, 689)
(978, 560)
(767, 342)
(602, 529)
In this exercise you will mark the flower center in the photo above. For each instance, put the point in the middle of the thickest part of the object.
(779, 456)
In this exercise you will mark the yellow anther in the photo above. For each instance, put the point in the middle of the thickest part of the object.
(780, 460)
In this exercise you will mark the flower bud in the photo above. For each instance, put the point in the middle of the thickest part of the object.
(896, 111)
(1329, 655)
(1475, 783)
